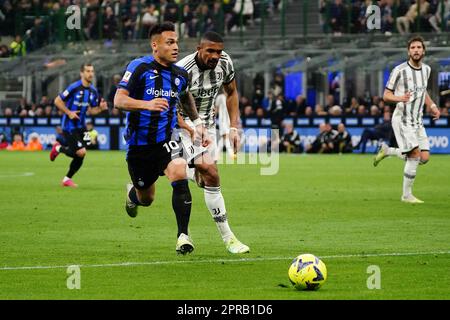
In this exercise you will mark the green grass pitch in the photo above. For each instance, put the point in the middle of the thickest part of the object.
(339, 208)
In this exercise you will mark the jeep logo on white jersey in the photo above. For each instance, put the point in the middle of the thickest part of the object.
(206, 93)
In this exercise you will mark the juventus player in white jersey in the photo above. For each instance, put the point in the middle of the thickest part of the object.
(210, 68)
(407, 87)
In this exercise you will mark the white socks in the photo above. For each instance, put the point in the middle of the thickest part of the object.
(409, 174)
(216, 206)
(395, 152)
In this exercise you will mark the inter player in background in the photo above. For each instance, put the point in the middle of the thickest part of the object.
(79, 98)
(149, 91)
(209, 69)
(407, 87)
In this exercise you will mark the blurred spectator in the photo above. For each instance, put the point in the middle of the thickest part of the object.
(17, 144)
(33, 143)
(404, 22)
(324, 140)
(353, 107)
(93, 134)
(187, 23)
(4, 51)
(171, 12)
(109, 24)
(149, 19)
(309, 111)
(38, 35)
(335, 111)
(387, 19)
(18, 47)
(244, 6)
(297, 107)
(276, 111)
(320, 111)
(338, 16)
(290, 141)
(204, 20)
(3, 141)
(8, 112)
(7, 18)
(362, 111)
(375, 111)
(382, 131)
(277, 85)
(436, 19)
(92, 25)
(343, 140)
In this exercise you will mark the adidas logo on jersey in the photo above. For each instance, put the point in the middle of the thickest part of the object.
(162, 93)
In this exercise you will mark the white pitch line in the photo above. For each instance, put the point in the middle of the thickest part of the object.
(127, 264)
(14, 175)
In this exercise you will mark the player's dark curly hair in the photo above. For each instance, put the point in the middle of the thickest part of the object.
(416, 39)
(160, 28)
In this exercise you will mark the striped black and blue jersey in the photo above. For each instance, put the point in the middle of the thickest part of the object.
(78, 97)
(146, 79)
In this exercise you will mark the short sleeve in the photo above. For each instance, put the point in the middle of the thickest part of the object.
(130, 79)
(229, 70)
(393, 80)
(65, 95)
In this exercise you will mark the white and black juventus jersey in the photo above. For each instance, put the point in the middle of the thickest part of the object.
(205, 84)
(405, 78)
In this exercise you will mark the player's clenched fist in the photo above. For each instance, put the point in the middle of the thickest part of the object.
(157, 104)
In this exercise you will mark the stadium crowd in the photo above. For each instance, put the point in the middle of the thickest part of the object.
(33, 24)
(402, 16)
(40, 20)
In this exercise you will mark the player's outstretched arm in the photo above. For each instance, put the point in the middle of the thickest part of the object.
(123, 101)
(61, 105)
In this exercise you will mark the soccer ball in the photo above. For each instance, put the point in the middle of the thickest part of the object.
(307, 272)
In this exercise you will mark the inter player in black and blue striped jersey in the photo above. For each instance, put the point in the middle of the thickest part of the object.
(79, 98)
(149, 91)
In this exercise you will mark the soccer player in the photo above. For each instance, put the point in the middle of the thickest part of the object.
(407, 87)
(149, 91)
(79, 97)
(209, 69)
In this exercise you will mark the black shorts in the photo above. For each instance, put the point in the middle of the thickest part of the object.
(77, 139)
(147, 163)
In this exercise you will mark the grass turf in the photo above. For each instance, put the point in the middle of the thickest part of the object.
(340, 208)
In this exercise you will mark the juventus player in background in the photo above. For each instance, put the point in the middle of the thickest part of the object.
(209, 69)
(407, 87)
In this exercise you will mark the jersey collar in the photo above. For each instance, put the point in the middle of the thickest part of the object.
(414, 68)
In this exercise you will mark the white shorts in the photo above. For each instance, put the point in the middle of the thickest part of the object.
(193, 151)
(409, 138)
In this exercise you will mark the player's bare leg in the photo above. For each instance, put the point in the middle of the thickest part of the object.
(181, 203)
(216, 203)
(409, 175)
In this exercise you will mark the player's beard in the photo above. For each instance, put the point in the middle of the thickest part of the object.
(417, 61)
